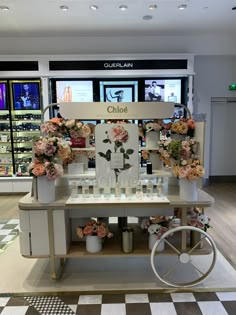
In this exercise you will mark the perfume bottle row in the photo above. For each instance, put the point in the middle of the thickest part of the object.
(142, 189)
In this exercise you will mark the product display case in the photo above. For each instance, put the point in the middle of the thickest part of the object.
(6, 162)
(25, 122)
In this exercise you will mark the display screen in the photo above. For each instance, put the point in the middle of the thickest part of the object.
(163, 90)
(3, 101)
(118, 91)
(26, 95)
(74, 91)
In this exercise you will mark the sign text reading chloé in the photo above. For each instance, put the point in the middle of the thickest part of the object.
(117, 109)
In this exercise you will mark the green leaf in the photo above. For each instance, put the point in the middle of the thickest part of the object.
(118, 144)
(129, 151)
(108, 155)
(106, 141)
(102, 154)
(126, 156)
(127, 166)
(122, 150)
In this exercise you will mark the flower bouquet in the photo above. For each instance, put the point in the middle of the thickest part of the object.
(73, 129)
(94, 228)
(156, 227)
(95, 232)
(183, 126)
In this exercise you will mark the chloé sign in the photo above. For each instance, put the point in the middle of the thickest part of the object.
(122, 110)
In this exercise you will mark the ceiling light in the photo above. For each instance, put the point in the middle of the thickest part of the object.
(4, 8)
(64, 7)
(153, 7)
(147, 17)
(182, 6)
(94, 7)
(123, 7)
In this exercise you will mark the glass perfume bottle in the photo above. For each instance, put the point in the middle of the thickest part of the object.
(96, 189)
(149, 189)
(74, 190)
(85, 189)
(117, 190)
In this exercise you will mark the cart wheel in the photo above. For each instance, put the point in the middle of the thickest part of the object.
(185, 268)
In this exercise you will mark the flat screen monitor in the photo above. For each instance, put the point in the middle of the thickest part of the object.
(74, 91)
(163, 90)
(26, 95)
(3, 100)
(118, 91)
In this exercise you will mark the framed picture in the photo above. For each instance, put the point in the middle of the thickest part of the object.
(25, 95)
(163, 90)
(118, 91)
(3, 94)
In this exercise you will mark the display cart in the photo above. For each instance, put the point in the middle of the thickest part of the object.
(57, 226)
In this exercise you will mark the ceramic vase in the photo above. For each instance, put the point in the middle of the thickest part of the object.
(152, 240)
(152, 138)
(188, 189)
(93, 244)
(45, 190)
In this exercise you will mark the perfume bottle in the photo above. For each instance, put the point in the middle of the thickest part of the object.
(149, 167)
(74, 190)
(117, 190)
(159, 187)
(149, 189)
(139, 190)
(96, 189)
(85, 189)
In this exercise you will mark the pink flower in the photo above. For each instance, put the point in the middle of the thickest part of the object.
(101, 231)
(79, 232)
(88, 230)
(39, 170)
(118, 134)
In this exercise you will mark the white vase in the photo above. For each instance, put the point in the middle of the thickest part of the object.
(188, 189)
(82, 159)
(152, 138)
(93, 243)
(152, 240)
(178, 136)
(45, 189)
(156, 162)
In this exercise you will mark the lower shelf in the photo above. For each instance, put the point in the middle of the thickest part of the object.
(112, 247)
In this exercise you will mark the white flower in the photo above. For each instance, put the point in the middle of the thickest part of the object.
(203, 218)
(154, 228)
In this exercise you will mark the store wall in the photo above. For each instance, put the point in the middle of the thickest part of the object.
(213, 76)
(215, 59)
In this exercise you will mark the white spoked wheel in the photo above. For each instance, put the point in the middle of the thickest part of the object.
(184, 267)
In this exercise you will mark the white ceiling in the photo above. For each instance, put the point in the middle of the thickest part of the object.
(44, 18)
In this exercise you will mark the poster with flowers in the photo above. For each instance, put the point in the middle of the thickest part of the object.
(117, 154)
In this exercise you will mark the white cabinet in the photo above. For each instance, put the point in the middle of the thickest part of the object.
(34, 240)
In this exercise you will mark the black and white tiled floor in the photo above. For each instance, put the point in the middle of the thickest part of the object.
(9, 229)
(197, 303)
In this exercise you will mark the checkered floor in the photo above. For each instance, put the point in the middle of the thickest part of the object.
(200, 303)
(9, 229)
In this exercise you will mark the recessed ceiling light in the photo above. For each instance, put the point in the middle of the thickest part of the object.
(152, 7)
(182, 6)
(147, 17)
(94, 7)
(123, 7)
(64, 7)
(4, 8)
